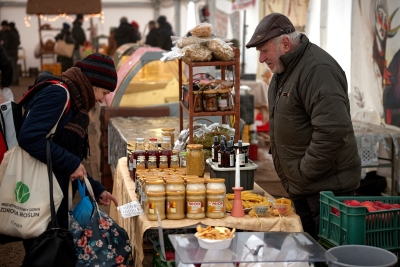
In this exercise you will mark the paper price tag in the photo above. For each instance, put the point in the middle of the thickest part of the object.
(130, 209)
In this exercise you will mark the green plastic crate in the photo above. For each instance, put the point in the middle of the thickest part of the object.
(158, 259)
(357, 226)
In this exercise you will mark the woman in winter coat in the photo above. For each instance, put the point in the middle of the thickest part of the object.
(88, 82)
(65, 34)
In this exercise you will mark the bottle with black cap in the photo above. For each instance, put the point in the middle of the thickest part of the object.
(214, 149)
(241, 155)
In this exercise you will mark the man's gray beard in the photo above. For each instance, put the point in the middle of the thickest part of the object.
(279, 68)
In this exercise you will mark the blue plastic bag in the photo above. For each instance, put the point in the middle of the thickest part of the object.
(83, 211)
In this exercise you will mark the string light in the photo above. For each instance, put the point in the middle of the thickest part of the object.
(65, 17)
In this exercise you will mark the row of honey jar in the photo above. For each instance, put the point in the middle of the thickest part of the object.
(181, 197)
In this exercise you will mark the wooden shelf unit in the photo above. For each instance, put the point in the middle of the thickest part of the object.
(190, 111)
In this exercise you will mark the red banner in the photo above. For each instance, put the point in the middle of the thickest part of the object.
(242, 4)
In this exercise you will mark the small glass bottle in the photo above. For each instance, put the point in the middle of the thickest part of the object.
(169, 132)
(230, 155)
(174, 162)
(152, 148)
(242, 156)
(221, 154)
(163, 162)
(166, 149)
(141, 164)
(214, 149)
(152, 164)
(183, 159)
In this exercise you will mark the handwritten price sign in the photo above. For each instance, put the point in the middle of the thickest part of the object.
(130, 209)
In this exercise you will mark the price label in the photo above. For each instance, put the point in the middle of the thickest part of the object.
(130, 209)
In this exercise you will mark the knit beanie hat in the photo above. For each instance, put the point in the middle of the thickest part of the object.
(66, 26)
(100, 70)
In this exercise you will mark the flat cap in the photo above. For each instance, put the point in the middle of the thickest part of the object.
(269, 27)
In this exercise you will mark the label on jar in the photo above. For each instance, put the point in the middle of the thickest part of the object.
(215, 206)
(171, 206)
(242, 159)
(222, 103)
(183, 162)
(152, 207)
(195, 206)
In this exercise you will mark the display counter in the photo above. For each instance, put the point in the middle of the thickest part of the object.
(124, 191)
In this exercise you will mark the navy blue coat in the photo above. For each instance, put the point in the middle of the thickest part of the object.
(44, 110)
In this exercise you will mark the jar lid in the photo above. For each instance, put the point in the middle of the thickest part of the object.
(215, 192)
(155, 181)
(194, 146)
(223, 90)
(183, 153)
(195, 181)
(174, 181)
(168, 129)
(140, 139)
(152, 139)
(195, 193)
(155, 194)
(189, 177)
(216, 180)
(208, 92)
(175, 193)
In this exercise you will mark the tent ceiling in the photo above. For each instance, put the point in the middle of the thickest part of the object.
(63, 7)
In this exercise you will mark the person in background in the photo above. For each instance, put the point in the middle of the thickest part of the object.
(65, 34)
(152, 37)
(136, 26)
(3, 31)
(11, 44)
(165, 33)
(88, 82)
(125, 33)
(312, 139)
(6, 69)
(79, 36)
(112, 44)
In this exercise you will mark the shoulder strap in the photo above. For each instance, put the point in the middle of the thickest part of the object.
(53, 130)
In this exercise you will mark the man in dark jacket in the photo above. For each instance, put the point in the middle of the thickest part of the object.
(312, 139)
(11, 44)
(125, 33)
(152, 37)
(6, 69)
(165, 33)
(79, 36)
(65, 34)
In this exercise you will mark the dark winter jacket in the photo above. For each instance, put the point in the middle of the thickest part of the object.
(165, 33)
(78, 34)
(125, 33)
(11, 43)
(312, 139)
(152, 38)
(44, 110)
(5, 68)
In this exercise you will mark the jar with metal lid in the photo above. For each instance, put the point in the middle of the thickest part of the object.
(215, 204)
(198, 101)
(174, 185)
(175, 205)
(224, 99)
(195, 204)
(195, 184)
(216, 184)
(210, 100)
(140, 165)
(155, 200)
(163, 162)
(174, 162)
(154, 185)
(169, 132)
(195, 160)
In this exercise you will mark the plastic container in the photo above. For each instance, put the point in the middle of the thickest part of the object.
(195, 204)
(361, 256)
(215, 204)
(246, 175)
(340, 224)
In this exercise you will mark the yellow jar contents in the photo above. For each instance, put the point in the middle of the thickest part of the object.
(163, 162)
(215, 204)
(195, 160)
(175, 205)
(140, 165)
(155, 201)
(152, 164)
(195, 204)
(169, 132)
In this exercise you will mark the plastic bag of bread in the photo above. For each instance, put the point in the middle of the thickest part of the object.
(196, 52)
(188, 40)
(202, 30)
(220, 49)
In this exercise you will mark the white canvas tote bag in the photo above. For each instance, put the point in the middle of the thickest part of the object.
(24, 191)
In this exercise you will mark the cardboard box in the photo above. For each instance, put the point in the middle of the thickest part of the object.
(246, 175)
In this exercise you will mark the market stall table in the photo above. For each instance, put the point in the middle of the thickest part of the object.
(124, 191)
(378, 147)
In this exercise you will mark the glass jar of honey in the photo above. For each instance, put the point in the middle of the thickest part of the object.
(174, 162)
(210, 100)
(224, 99)
(215, 204)
(175, 205)
(155, 200)
(195, 204)
(216, 184)
(163, 162)
(195, 160)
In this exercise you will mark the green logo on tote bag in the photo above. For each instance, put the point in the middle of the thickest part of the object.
(22, 192)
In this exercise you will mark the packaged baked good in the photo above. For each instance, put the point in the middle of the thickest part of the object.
(196, 52)
(202, 30)
(188, 40)
(220, 49)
